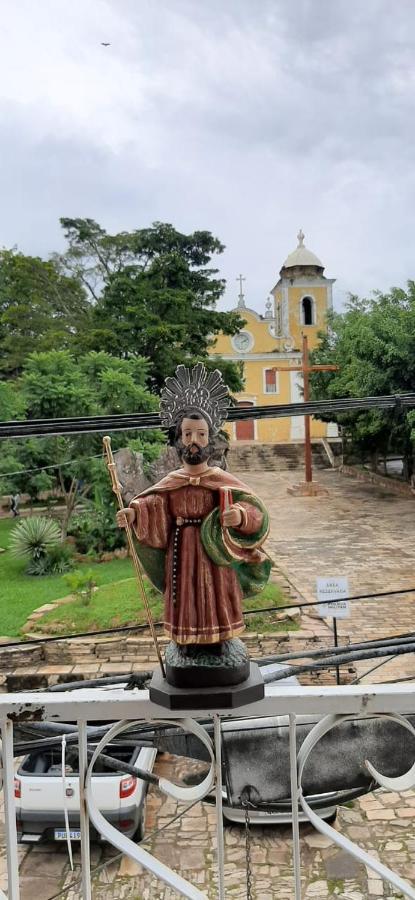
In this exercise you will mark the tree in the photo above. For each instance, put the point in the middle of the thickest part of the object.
(373, 344)
(55, 384)
(154, 294)
(40, 308)
(12, 404)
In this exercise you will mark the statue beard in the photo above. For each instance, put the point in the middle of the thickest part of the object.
(200, 455)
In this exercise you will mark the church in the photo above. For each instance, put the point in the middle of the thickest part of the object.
(270, 345)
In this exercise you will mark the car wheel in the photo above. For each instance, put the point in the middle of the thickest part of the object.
(332, 818)
(140, 830)
(139, 833)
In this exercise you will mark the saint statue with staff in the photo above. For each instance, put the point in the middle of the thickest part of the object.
(200, 531)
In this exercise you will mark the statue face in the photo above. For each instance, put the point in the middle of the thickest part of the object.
(194, 442)
(195, 431)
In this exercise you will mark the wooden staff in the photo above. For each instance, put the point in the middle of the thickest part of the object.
(136, 562)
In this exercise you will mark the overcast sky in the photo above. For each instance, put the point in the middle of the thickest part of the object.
(249, 118)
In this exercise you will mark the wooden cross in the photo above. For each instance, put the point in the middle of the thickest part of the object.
(305, 368)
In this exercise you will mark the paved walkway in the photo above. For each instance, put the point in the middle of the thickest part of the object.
(358, 531)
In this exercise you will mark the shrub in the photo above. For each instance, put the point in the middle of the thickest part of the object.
(55, 561)
(95, 530)
(82, 584)
(32, 538)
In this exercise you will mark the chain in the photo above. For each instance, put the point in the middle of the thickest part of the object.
(249, 894)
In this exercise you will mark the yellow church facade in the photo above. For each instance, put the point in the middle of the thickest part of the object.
(270, 345)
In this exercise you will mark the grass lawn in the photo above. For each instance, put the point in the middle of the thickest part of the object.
(119, 604)
(116, 602)
(20, 594)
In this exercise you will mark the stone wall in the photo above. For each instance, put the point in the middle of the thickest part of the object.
(33, 667)
(389, 484)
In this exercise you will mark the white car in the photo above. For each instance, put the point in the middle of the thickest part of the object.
(41, 793)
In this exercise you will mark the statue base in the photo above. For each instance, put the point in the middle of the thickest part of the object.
(207, 665)
(308, 489)
(228, 697)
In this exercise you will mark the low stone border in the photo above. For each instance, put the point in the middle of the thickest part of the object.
(30, 625)
(389, 484)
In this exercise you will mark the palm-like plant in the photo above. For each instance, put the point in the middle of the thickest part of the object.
(34, 537)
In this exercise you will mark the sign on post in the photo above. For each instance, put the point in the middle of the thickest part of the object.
(334, 591)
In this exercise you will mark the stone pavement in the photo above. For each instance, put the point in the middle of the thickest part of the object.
(381, 823)
(360, 531)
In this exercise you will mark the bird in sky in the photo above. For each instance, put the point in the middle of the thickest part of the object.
(105, 45)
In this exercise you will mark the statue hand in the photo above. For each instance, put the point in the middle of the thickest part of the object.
(125, 517)
(232, 517)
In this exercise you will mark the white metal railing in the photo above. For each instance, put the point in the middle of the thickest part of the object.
(84, 706)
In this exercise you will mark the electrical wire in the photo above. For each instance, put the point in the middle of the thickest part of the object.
(373, 669)
(69, 462)
(143, 421)
(138, 627)
(252, 612)
(344, 659)
(345, 648)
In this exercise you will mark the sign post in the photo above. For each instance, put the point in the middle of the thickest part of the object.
(333, 594)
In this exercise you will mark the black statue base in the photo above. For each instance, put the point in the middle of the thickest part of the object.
(208, 698)
(207, 665)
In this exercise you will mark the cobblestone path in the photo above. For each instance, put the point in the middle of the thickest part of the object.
(358, 530)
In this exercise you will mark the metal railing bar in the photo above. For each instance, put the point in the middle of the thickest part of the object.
(13, 891)
(84, 817)
(220, 844)
(99, 704)
(294, 805)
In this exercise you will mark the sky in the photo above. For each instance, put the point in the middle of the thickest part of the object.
(249, 118)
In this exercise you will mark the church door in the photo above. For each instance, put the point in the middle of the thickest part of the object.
(245, 428)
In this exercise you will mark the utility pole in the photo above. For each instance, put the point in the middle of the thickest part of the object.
(305, 369)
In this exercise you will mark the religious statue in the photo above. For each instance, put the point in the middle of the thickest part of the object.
(199, 532)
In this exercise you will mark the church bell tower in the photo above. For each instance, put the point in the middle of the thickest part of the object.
(302, 298)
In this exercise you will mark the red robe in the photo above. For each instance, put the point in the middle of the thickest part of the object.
(206, 606)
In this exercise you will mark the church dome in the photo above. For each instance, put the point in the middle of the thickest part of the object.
(302, 257)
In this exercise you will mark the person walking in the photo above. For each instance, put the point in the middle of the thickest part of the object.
(14, 504)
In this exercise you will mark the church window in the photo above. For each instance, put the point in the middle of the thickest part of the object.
(307, 311)
(270, 381)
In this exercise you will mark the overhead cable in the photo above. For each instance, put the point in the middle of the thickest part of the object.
(142, 421)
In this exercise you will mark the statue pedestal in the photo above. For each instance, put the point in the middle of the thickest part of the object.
(229, 696)
(308, 489)
(207, 665)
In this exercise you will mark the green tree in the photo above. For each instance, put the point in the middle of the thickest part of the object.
(55, 384)
(12, 405)
(40, 308)
(373, 344)
(154, 293)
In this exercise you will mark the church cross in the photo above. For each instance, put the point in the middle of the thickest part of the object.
(241, 298)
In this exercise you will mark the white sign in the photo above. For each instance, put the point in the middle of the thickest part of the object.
(334, 592)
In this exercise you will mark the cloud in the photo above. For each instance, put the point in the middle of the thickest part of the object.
(247, 119)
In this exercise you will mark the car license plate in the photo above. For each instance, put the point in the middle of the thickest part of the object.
(74, 834)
